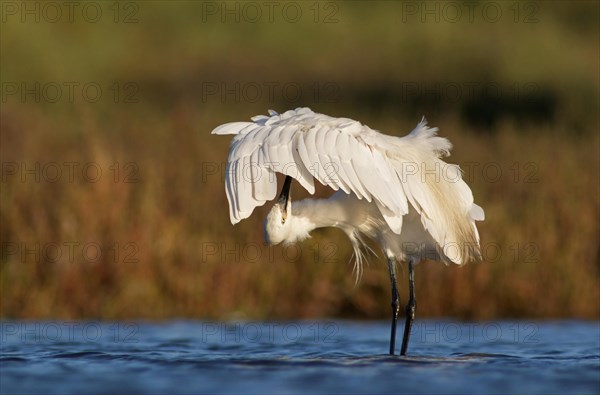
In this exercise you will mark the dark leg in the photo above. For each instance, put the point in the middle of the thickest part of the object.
(410, 307)
(395, 303)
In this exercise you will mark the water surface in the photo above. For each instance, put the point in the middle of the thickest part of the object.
(187, 357)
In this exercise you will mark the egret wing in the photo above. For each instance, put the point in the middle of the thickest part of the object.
(345, 154)
(307, 145)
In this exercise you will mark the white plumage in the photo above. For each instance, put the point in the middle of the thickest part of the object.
(395, 190)
(397, 175)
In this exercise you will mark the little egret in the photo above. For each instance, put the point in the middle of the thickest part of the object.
(394, 190)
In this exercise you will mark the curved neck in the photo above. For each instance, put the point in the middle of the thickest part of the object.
(317, 213)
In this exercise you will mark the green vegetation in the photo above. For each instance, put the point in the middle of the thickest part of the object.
(113, 206)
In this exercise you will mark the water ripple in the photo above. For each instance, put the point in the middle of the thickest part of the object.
(307, 357)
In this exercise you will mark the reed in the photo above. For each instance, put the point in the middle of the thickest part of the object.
(151, 238)
(115, 208)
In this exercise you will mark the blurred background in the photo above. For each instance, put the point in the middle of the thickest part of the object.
(112, 192)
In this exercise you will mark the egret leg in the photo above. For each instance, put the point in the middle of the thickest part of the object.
(395, 303)
(410, 307)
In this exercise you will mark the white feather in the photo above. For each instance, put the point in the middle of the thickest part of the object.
(408, 190)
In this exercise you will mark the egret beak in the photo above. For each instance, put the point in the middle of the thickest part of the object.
(284, 198)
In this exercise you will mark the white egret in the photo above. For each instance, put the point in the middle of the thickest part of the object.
(394, 190)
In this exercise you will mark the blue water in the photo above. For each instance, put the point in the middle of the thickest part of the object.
(186, 357)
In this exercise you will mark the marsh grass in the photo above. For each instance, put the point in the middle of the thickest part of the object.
(158, 213)
(168, 248)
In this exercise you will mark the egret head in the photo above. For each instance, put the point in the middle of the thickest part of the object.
(277, 226)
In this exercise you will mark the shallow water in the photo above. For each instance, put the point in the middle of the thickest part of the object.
(290, 357)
